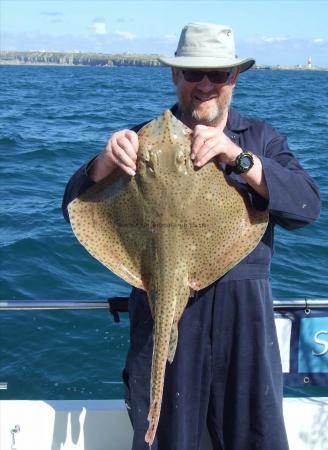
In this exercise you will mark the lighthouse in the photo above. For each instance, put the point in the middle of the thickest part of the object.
(309, 63)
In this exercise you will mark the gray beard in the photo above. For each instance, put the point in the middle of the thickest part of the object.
(215, 116)
(211, 119)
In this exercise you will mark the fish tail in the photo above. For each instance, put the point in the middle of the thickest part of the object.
(160, 356)
(173, 342)
(162, 336)
(167, 309)
(153, 418)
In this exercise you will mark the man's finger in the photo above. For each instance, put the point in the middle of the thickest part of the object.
(134, 139)
(122, 158)
(200, 128)
(127, 147)
(127, 169)
(206, 152)
(199, 142)
(203, 131)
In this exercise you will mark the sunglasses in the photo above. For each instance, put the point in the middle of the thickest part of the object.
(194, 76)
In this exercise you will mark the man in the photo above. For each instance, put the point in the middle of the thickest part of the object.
(226, 371)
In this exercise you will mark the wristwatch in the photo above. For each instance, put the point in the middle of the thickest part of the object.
(244, 162)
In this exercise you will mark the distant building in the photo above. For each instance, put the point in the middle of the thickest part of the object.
(309, 63)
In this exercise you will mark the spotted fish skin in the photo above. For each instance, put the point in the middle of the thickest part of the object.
(164, 170)
(166, 230)
(168, 293)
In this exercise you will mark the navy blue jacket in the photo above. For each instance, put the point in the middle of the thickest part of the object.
(294, 199)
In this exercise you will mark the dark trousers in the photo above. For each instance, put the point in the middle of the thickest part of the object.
(226, 372)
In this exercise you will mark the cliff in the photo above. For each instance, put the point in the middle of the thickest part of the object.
(105, 60)
(78, 59)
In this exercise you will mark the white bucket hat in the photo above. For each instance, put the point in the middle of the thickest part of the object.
(207, 46)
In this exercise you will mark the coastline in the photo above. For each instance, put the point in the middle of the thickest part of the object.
(39, 58)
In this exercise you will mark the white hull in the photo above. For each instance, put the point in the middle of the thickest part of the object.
(105, 425)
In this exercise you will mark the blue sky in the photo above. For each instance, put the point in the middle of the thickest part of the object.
(272, 31)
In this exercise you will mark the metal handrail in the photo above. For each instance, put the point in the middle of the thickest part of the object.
(303, 303)
(39, 305)
(36, 305)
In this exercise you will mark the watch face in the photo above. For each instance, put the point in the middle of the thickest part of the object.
(245, 162)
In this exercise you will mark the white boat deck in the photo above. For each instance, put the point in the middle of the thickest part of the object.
(105, 425)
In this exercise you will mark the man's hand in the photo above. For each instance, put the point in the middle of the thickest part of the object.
(120, 152)
(209, 142)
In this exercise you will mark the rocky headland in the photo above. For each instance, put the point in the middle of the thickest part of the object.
(78, 59)
(106, 60)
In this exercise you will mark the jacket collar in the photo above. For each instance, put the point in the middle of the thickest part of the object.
(236, 122)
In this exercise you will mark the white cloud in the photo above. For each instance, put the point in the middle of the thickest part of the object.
(56, 21)
(320, 41)
(274, 39)
(51, 13)
(53, 16)
(126, 35)
(170, 37)
(99, 26)
(290, 52)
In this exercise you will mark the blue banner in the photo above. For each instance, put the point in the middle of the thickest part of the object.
(303, 341)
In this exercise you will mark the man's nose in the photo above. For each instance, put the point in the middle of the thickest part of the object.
(205, 84)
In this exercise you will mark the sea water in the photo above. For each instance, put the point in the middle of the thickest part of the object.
(54, 119)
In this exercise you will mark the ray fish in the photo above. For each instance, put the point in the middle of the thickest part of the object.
(171, 229)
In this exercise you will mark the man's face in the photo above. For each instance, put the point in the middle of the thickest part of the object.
(203, 102)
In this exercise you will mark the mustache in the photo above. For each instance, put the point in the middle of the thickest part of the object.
(204, 95)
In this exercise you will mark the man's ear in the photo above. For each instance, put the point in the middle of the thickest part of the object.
(174, 75)
(234, 76)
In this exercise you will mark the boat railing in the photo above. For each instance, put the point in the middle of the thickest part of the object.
(18, 305)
